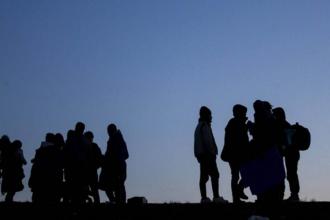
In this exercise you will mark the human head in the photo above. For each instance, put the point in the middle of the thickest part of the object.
(17, 144)
(50, 137)
(69, 136)
(80, 127)
(279, 114)
(89, 136)
(59, 139)
(262, 106)
(239, 111)
(112, 129)
(267, 106)
(205, 114)
(258, 105)
(4, 140)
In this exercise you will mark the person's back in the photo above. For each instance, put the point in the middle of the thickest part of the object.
(116, 148)
(204, 144)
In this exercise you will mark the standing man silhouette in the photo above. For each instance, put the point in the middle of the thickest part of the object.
(114, 169)
(206, 151)
(291, 155)
(236, 148)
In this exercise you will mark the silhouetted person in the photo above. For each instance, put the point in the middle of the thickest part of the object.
(59, 146)
(47, 172)
(66, 194)
(76, 165)
(265, 142)
(205, 150)
(13, 173)
(113, 174)
(291, 154)
(95, 160)
(4, 144)
(236, 148)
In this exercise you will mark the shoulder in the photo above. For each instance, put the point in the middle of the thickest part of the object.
(231, 123)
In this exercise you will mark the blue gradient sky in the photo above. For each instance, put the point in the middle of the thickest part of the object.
(149, 65)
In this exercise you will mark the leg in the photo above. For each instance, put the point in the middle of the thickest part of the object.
(94, 188)
(214, 172)
(121, 191)
(10, 196)
(291, 162)
(121, 194)
(234, 182)
(95, 194)
(110, 195)
(203, 179)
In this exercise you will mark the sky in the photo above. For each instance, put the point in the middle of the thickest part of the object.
(149, 65)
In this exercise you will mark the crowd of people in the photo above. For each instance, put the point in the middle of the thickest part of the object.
(66, 170)
(257, 163)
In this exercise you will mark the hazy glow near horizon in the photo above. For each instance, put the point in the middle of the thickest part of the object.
(149, 65)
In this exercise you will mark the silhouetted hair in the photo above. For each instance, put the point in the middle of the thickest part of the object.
(50, 137)
(257, 105)
(267, 105)
(239, 110)
(112, 129)
(80, 127)
(89, 135)
(17, 144)
(204, 112)
(279, 113)
(59, 139)
(260, 106)
(5, 139)
(69, 134)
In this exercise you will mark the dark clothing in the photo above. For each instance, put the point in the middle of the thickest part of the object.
(208, 167)
(236, 141)
(13, 173)
(95, 162)
(113, 173)
(292, 156)
(235, 152)
(206, 150)
(291, 163)
(76, 159)
(46, 179)
(266, 135)
(282, 136)
(236, 184)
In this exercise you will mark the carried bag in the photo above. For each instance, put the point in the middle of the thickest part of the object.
(225, 154)
(301, 138)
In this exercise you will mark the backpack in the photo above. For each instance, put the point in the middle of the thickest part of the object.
(301, 137)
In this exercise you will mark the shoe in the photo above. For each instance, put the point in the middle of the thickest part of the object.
(205, 200)
(219, 200)
(293, 198)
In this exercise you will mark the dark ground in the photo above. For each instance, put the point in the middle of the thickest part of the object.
(302, 210)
